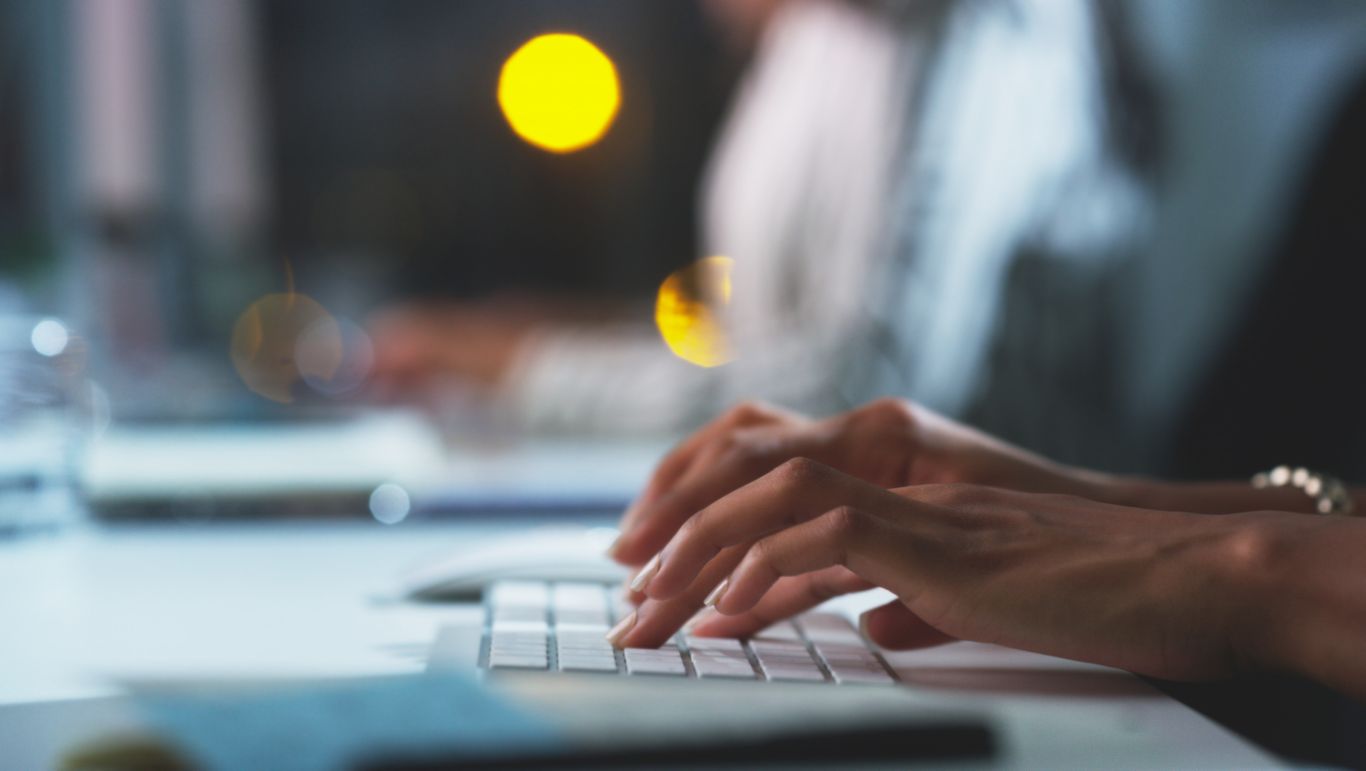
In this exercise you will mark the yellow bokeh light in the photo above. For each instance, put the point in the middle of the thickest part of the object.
(689, 310)
(265, 342)
(559, 92)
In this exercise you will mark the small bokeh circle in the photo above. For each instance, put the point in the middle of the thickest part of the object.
(390, 504)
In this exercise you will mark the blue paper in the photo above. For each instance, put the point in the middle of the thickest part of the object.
(334, 725)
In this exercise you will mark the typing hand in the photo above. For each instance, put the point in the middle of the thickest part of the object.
(888, 443)
(1160, 593)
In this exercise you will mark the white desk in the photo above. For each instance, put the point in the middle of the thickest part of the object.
(85, 608)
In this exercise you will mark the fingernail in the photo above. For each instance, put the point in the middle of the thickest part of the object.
(623, 627)
(614, 545)
(863, 628)
(716, 593)
(642, 578)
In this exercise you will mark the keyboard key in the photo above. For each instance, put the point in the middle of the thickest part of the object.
(858, 670)
(573, 596)
(588, 664)
(783, 630)
(519, 635)
(517, 613)
(714, 671)
(779, 649)
(854, 664)
(829, 628)
(859, 676)
(714, 657)
(720, 659)
(713, 644)
(519, 643)
(583, 645)
(655, 661)
(582, 636)
(579, 605)
(501, 660)
(519, 650)
(843, 652)
(797, 673)
(582, 620)
(539, 628)
(785, 660)
(526, 594)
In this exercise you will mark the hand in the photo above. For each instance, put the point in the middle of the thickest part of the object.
(415, 345)
(1161, 593)
(888, 443)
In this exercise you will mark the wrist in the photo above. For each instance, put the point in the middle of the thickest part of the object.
(1246, 571)
(1272, 598)
(1194, 497)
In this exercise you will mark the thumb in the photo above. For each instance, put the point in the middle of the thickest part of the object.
(895, 627)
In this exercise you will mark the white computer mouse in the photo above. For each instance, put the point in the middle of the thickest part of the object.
(541, 554)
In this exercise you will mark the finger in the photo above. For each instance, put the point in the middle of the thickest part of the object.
(895, 627)
(634, 545)
(867, 545)
(666, 473)
(657, 620)
(710, 478)
(630, 595)
(679, 461)
(635, 598)
(787, 598)
(791, 494)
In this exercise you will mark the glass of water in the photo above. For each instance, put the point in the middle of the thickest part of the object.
(44, 420)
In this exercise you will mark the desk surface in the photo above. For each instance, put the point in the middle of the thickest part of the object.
(90, 607)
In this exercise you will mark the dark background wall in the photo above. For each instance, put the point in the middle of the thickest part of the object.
(387, 145)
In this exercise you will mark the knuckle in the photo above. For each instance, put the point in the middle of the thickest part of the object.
(845, 522)
(701, 528)
(690, 529)
(748, 410)
(798, 472)
(765, 555)
(891, 411)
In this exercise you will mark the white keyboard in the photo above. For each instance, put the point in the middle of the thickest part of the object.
(560, 627)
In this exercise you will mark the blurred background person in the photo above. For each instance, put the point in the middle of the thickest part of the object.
(1077, 240)
(795, 192)
(1240, 301)
(1079, 225)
